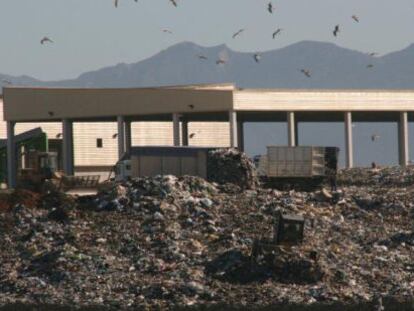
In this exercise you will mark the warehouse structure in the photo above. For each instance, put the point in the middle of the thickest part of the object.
(182, 106)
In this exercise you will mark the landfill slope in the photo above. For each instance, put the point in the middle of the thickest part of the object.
(165, 241)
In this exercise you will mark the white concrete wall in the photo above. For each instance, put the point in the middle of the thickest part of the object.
(143, 134)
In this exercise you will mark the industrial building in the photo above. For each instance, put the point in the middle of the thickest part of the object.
(88, 120)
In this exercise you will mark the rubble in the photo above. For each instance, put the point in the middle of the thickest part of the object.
(231, 166)
(171, 241)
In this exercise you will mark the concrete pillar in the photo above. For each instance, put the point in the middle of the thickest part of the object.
(233, 129)
(240, 135)
(11, 156)
(349, 150)
(296, 133)
(121, 136)
(403, 139)
(291, 129)
(67, 137)
(128, 136)
(184, 132)
(176, 129)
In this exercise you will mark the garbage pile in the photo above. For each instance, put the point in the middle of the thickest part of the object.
(165, 241)
(231, 166)
(393, 176)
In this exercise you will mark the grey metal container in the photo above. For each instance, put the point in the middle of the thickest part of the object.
(300, 161)
(165, 160)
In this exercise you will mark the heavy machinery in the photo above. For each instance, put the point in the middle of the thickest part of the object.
(42, 174)
(41, 167)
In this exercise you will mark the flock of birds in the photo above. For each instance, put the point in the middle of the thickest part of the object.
(221, 61)
(256, 56)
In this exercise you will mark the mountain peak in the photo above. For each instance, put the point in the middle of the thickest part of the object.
(332, 66)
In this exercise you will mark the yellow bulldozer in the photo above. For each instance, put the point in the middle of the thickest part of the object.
(42, 174)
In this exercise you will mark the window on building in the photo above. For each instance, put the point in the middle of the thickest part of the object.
(99, 143)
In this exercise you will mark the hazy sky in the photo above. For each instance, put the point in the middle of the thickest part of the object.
(90, 34)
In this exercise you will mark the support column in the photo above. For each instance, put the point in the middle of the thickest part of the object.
(121, 136)
(240, 135)
(349, 151)
(11, 156)
(176, 129)
(128, 136)
(233, 129)
(296, 133)
(403, 139)
(291, 128)
(67, 136)
(184, 132)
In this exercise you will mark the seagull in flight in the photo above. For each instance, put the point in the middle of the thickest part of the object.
(373, 54)
(167, 31)
(369, 66)
(270, 7)
(220, 61)
(276, 32)
(257, 57)
(202, 57)
(237, 33)
(355, 18)
(5, 81)
(375, 137)
(336, 30)
(306, 72)
(46, 39)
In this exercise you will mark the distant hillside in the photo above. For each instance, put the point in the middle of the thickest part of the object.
(330, 66)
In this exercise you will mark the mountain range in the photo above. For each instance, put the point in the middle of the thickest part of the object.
(330, 66)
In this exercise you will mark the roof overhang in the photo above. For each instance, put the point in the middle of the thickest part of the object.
(199, 103)
(53, 104)
(323, 100)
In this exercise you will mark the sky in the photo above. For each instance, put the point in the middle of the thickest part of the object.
(91, 34)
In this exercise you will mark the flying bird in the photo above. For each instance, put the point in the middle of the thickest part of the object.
(237, 33)
(355, 18)
(115, 135)
(220, 61)
(306, 72)
(46, 39)
(375, 137)
(336, 30)
(50, 113)
(191, 106)
(370, 66)
(257, 57)
(4, 81)
(192, 135)
(276, 32)
(373, 54)
(58, 135)
(202, 57)
(167, 31)
(270, 7)
(174, 3)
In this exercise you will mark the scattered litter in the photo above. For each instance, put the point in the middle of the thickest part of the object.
(172, 241)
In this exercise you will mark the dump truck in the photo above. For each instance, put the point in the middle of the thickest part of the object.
(301, 166)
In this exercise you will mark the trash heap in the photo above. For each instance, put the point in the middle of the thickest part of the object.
(231, 166)
(393, 176)
(165, 241)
